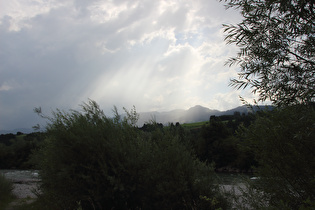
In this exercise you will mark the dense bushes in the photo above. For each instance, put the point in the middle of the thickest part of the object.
(283, 142)
(16, 150)
(217, 142)
(93, 161)
(6, 194)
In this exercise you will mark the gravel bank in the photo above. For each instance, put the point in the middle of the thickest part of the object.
(25, 190)
(25, 182)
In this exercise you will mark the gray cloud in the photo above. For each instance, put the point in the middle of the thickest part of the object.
(156, 55)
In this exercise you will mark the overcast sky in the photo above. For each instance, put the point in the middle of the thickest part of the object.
(157, 55)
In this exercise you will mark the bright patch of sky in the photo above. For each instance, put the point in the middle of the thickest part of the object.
(156, 55)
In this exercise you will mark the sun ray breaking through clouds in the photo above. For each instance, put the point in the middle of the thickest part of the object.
(156, 55)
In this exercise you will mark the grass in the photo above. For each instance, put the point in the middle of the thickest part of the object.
(194, 125)
(20, 137)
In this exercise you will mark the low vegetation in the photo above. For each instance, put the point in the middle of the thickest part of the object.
(6, 194)
(195, 125)
(283, 144)
(16, 150)
(90, 161)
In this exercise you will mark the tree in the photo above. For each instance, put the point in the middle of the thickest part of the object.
(283, 143)
(217, 143)
(277, 49)
(277, 59)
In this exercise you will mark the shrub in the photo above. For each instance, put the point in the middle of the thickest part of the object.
(6, 194)
(95, 162)
(283, 142)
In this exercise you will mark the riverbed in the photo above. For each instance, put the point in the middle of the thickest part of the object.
(25, 182)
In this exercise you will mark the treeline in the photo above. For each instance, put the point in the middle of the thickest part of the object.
(16, 150)
(89, 161)
(218, 142)
(215, 142)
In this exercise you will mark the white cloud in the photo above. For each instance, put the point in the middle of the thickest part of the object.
(156, 55)
(20, 12)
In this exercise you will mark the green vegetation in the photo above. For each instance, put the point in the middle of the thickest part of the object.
(94, 162)
(283, 144)
(6, 195)
(16, 150)
(97, 162)
(217, 142)
(194, 125)
(89, 161)
(276, 49)
(276, 58)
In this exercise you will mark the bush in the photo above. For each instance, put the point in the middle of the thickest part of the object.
(6, 194)
(94, 162)
(283, 142)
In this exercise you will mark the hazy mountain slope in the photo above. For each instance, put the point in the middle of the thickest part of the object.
(194, 114)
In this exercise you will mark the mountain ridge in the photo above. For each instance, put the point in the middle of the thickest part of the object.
(196, 113)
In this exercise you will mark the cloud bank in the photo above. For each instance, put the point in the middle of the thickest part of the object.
(156, 55)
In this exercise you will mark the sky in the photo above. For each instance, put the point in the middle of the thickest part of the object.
(155, 55)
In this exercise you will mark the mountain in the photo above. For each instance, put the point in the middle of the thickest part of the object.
(194, 114)
(240, 109)
(23, 130)
(198, 113)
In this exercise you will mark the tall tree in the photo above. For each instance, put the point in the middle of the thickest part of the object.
(276, 41)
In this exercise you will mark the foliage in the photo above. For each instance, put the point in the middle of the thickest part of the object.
(6, 194)
(276, 57)
(283, 143)
(95, 162)
(194, 125)
(277, 49)
(216, 142)
(16, 150)
(6, 138)
(19, 151)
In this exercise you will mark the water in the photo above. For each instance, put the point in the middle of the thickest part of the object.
(233, 182)
(21, 176)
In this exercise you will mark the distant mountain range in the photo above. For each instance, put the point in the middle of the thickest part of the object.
(23, 130)
(194, 114)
